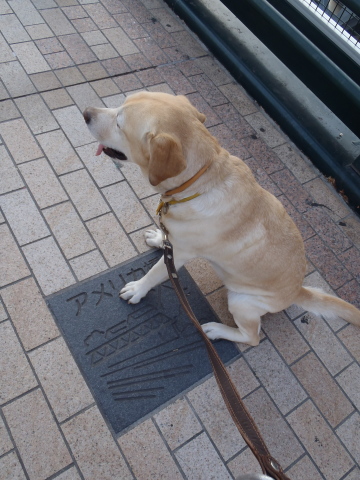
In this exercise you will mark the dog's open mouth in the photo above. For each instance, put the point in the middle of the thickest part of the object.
(110, 152)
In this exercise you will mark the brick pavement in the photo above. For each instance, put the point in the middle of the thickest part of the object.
(66, 215)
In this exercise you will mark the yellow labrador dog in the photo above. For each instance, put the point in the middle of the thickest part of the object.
(217, 211)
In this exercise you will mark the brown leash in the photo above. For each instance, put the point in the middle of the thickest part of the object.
(240, 415)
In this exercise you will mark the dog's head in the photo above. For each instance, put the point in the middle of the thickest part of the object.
(153, 130)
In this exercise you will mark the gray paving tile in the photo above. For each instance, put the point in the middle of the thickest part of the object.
(45, 81)
(23, 216)
(302, 170)
(59, 60)
(69, 230)
(126, 206)
(96, 453)
(5, 442)
(199, 460)
(38, 32)
(118, 38)
(15, 79)
(88, 265)
(100, 16)
(26, 12)
(43, 183)
(31, 317)
(146, 441)
(12, 264)
(10, 467)
(8, 110)
(6, 54)
(322, 444)
(61, 379)
(77, 48)
(304, 469)
(72, 122)
(30, 57)
(349, 433)
(238, 98)
(104, 51)
(57, 21)
(16, 374)
(95, 37)
(111, 239)
(57, 99)
(85, 96)
(12, 29)
(87, 199)
(48, 265)
(59, 152)
(102, 168)
(9, 176)
(349, 380)
(37, 436)
(19, 141)
(36, 113)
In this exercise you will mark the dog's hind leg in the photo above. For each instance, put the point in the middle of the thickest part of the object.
(247, 317)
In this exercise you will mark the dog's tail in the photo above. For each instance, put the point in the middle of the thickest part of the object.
(320, 303)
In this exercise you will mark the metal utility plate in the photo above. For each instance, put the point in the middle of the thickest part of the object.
(135, 358)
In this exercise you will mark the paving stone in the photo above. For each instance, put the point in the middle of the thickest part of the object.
(8, 110)
(37, 436)
(104, 51)
(145, 442)
(26, 12)
(113, 66)
(95, 451)
(354, 475)
(114, 101)
(199, 460)
(100, 16)
(350, 337)
(130, 26)
(237, 96)
(62, 381)
(128, 82)
(70, 76)
(59, 152)
(188, 44)
(351, 226)
(299, 220)
(272, 427)
(244, 463)
(114, 6)
(69, 230)
(74, 12)
(111, 239)
(324, 343)
(59, 60)
(137, 61)
(304, 469)
(29, 313)
(263, 154)
(138, 182)
(321, 443)
(349, 433)
(16, 374)
(48, 265)
(9, 176)
(208, 90)
(122, 43)
(285, 337)
(72, 122)
(265, 129)
(88, 265)
(77, 48)
(94, 71)
(214, 70)
(126, 207)
(176, 80)
(45, 81)
(206, 399)
(4, 8)
(4, 95)
(87, 199)
(302, 169)
(12, 265)
(12, 29)
(30, 57)
(105, 87)
(57, 98)
(204, 275)
(38, 32)
(349, 381)
(152, 51)
(232, 118)
(227, 140)
(177, 423)
(102, 169)
(322, 389)
(23, 216)
(43, 183)
(70, 474)
(6, 54)
(95, 37)
(84, 25)
(57, 21)
(3, 314)
(10, 467)
(211, 117)
(278, 380)
(19, 140)
(262, 177)
(84, 96)
(15, 79)
(162, 87)
(36, 113)
(49, 45)
(5, 442)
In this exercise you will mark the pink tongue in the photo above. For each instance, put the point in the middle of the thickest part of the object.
(99, 150)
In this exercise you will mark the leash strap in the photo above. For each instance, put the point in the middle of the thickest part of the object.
(240, 415)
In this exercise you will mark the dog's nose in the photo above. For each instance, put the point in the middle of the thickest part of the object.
(87, 115)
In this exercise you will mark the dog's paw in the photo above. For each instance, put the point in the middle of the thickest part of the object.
(213, 330)
(154, 238)
(133, 292)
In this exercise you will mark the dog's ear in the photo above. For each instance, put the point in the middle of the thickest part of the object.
(166, 158)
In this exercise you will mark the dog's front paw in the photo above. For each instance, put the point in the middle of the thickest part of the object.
(154, 238)
(133, 292)
(212, 330)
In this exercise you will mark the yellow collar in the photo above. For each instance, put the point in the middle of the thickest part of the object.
(179, 189)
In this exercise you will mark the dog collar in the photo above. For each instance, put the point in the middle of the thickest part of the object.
(164, 205)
